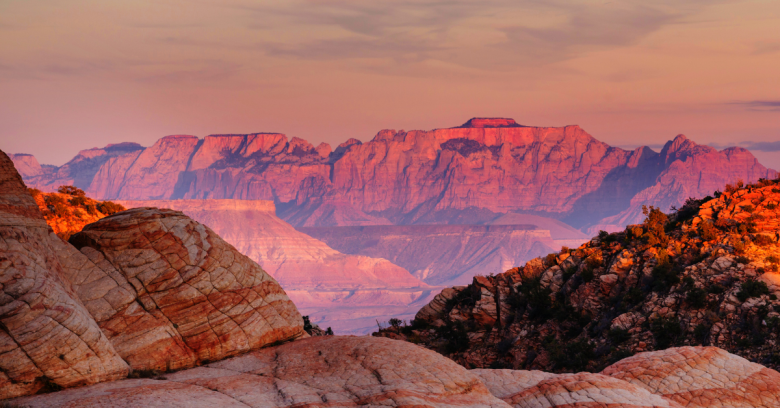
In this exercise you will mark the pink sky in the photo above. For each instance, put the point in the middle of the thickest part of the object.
(78, 74)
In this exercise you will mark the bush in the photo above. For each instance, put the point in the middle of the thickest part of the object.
(587, 275)
(655, 225)
(71, 191)
(667, 332)
(747, 208)
(697, 298)
(762, 240)
(707, 231)
(770, 206)
(743, 260)
(618, 336)
(752, 288)
(109, 207)
(573, 356)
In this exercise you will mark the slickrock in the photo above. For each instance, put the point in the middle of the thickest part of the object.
(317, 372)
(532, 389)
(705, 275)
(346, 292)
(701, 377)
(47, 337)
(170, 293)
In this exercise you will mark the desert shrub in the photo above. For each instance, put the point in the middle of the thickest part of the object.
(550, 259)
(307, 324)
(747, 208)
(752, 288)
(618, 336)
(573, 356)
(110, 207)
(637, 232)
(71, 191)
(743, 260)
(666, 332)
(697, 298)
(328, 331)
(78, 200)
(762, 240)
(594, 261)
(456, 336)
(770, 206)
(34, 192)
(665, 273)
(700, 333)
(587, 275)
(395, 323)
(772, 259)
(655, 226)
(707, 231)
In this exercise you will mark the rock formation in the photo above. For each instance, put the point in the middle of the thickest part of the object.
(346, 292)
(364, 371)
(705, 275)
(47, 337)
(470, 174)
(318, 372)
(170, 293)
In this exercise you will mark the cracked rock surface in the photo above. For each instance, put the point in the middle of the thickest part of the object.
(170, 293)
(47, 336)
(317, 372)
(701, 377)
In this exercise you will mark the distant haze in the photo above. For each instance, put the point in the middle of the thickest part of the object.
(79, 74)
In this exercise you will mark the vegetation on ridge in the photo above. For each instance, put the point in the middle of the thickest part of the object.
(69, 209)
(703, 275)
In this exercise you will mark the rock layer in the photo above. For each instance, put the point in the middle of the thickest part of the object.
(169, 293)
(46, 334)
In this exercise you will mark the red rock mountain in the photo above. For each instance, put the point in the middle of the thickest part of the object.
(471, 174)
(346, 292)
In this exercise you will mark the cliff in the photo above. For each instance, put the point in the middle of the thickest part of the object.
(704, 275)
(470, 174)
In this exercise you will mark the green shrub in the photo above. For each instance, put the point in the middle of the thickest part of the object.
(655, 225)
(109, 207)
(716, 289)
(752, 288)
(71, 191)
(587, 275)
(770, 206)
(707, 231)
(697, 298)
(618, 336)
(667, 332)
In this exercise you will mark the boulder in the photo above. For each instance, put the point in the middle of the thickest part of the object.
(329, 371)
(47, 337)
(169, 293)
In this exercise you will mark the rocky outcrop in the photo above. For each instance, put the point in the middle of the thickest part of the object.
(705, 275)
(363, 371)
(67, 213)
(442, 254)
(170, 293)
(318, 372)
(346, 292)
(26, 164)
(470, 174)
(47, 337)
(701, 377)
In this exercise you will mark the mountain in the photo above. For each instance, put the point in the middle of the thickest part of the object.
(346, 292)
(471, 174)
(704, 275)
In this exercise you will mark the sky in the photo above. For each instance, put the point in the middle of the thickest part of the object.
(79, 74)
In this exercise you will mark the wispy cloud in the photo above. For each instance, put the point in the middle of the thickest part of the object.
(759, 105)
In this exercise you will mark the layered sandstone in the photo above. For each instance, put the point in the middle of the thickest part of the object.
(317, 372)
(47, 337)
(473, 174)
(170, 293)
(346, 292)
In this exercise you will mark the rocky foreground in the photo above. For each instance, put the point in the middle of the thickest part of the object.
(705, 275)
(147, 307)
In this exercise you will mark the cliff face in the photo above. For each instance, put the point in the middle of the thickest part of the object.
(346, 292)
(705, 275)
(466, 175)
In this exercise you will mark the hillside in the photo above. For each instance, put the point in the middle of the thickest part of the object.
(704, 275)
(69, 210)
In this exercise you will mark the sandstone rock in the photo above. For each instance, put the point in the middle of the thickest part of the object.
(169, 293)
(701, 377)
(316, 372)
(523, 389)
(46, 334)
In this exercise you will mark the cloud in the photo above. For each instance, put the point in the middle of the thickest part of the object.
(759, 105)
(750, 145)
